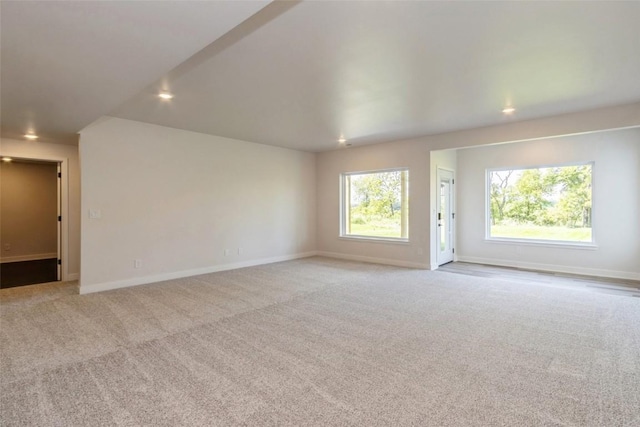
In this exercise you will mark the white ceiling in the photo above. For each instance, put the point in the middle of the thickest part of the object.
(66, 63)
(299, 75)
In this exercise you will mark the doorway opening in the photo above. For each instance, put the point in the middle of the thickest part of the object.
(445, 216)
(30, 222)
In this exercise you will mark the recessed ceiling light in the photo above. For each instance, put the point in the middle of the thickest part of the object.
(342, 140)
(508, 110)
(165, 95)
(6, 159)
(31, 136)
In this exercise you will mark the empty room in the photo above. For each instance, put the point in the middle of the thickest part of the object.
(320, 213)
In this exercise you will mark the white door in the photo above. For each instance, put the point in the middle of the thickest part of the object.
(445, 216)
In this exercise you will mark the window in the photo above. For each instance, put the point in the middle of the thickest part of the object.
(375, 205)
(545, 204)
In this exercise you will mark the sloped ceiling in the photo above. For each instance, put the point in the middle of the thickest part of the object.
(66, 63)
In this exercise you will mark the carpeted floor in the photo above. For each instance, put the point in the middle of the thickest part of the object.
(320, 342)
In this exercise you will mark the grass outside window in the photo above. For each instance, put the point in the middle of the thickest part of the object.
(551, 203)
(375, 204)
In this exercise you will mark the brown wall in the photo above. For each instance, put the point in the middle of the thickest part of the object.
(28, 209)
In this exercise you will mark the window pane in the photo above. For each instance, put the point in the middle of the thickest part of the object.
(444, 226)
(550, 203)
(376, 204)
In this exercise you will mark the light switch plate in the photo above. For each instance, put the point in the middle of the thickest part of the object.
(95, 214)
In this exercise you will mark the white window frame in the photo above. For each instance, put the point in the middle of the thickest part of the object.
(539, 242)
(344, 205)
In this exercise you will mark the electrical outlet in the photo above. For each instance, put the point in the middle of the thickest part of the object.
(95, 214)
(227, 252)
(420, 251)
(137, 263)
(7, 246)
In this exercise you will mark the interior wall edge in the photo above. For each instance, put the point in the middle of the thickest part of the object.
(554, 268)
(118, 284)
(34, 257)
(613, 118)
(374, 260)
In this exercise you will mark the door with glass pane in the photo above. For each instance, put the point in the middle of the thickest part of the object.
(445, 216)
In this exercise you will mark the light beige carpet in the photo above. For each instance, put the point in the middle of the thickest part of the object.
(320, 342)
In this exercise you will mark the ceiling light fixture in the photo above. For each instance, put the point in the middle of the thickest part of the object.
(165, 95)
(31, 136)
(7, 159)
(508, 110)
(342, 140)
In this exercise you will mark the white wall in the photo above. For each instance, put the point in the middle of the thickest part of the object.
(177, 199)
(416, 155)
(68, 155)
(28, 211)
(332, 164)
(616, 203)
(121, 151)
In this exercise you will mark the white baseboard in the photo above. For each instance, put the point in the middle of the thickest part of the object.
(72, 276)
(384, 261)
(629, 275)
(35, 257)
(135, 281)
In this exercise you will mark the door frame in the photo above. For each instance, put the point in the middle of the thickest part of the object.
(63, 189)
(452, 203)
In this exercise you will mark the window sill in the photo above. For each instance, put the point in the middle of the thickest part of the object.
(370, 239)
(589, 246)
